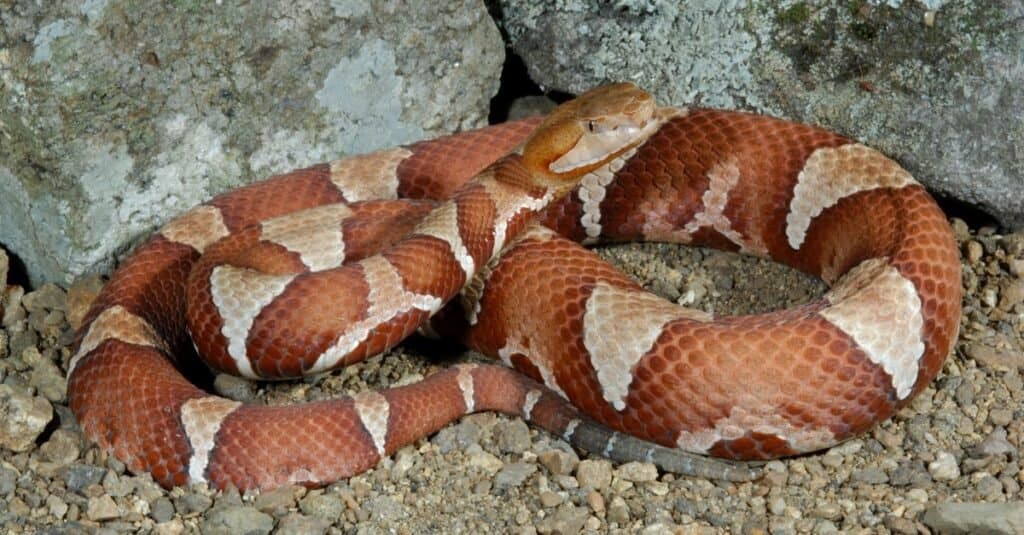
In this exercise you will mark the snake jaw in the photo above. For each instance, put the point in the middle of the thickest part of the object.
(595, 146)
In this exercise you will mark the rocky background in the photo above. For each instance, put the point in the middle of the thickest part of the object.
(116, 115)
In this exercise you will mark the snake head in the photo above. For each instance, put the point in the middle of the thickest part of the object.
(590, 131)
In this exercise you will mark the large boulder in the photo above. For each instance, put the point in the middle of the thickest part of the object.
(116, 115)
(935, 84)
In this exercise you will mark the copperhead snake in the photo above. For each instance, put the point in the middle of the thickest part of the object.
(325, 266)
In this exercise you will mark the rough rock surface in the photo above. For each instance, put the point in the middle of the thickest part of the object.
(934, 84)
(115, 115)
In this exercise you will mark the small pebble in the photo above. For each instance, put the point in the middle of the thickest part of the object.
(234, 519)
(102, 508)
(594, 473)
(944, 467)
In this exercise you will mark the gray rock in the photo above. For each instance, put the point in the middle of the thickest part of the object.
(11, 311)
(48, 297)
(161, 510)
(63, 447)
(4, 267)
(102, 508)
(46, 377)
(236, 388)
(637, 472)
(559, 461)
(384, 509)
(567, 519)
(22, 418)
(996, 358)
(277, 501)
(296, 524)
(127, 115)
(232, 519)
(192, 503)
(944, 467)
(995, 443)
(326, 506)
(81, 476)
(976, 518)
(8, 481)
(513, 475)
(871, 476)
(21, 339)
(513, 436)
(928, 96)
(457, 437)
(594, 473)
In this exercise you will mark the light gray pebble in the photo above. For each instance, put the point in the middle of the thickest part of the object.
(46, 377)
(296, 524)
(900, 525)
(24, 418)
(102, 508)
(513, 436)
(457, 437)
(825, 527)
(618, 511)
(871, 476)
(49, 296)
(995, 443)
(234, 519)
(944, 467)
(235, 388)
(117, 486)
(192, 502)
(18, 341)
(56, 506)
(550, 499)
(63, 447)
(976, 517)
(161, 510)
(567, 519)
(989, 487)
(384, 509)
(594, 473)
(8, 481)
(277, 501)
(513, 475)
(1011, 293)
(637, 472)
(327, 506)
(558, 461)
(965, 394)
(828, 511)
(1000, 417)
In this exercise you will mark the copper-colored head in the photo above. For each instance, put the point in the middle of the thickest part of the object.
(590, 131)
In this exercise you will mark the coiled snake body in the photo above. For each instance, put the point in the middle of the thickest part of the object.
(325, 266)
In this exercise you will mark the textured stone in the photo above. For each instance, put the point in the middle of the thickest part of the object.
(594, 473)
(929, 96)
(102, 508)
(22, 418)
(513, 475)
(207, 99)
(994, 518)
(236, 519)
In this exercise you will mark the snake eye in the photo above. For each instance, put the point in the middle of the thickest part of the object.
(591, 126)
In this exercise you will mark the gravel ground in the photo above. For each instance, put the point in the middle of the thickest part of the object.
(949, 462)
